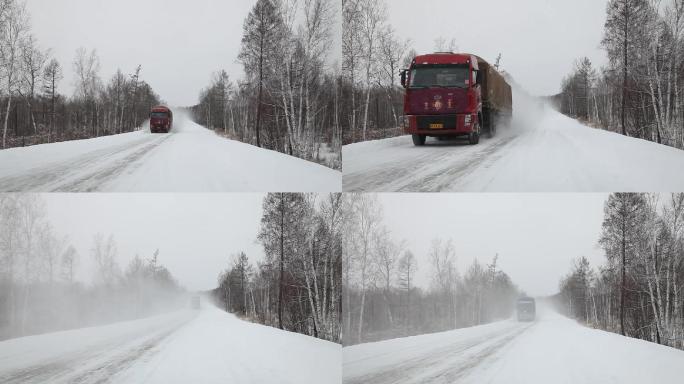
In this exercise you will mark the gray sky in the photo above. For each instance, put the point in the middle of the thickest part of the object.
(537, 236)
(196, 233)
(179, 43)
(539, 39)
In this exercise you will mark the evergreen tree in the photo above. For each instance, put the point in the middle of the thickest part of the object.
(623, 28)
(261, 30)
(620, 237)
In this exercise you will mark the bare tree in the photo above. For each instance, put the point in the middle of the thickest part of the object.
(31, 215)
(87, 67)
(444, 275)
(10, 243)
(33, 62)
(392, 52)
(366, 216)
(14, 25)
(104, 254)
(351, 51)
(386, 256)
(69, 261)
(372, 20)
(444, 45)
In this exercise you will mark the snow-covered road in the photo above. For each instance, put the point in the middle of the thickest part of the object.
(206, 346)
(552, 349)
(189, 159)
(543, 151)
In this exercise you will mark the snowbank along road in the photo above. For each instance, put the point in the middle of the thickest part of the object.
(206, 346)
(552, 349)
(542, 151)
(189, 159)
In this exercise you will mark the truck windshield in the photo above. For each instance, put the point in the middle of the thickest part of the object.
(526, 306)
(445, 76)
(159, 115)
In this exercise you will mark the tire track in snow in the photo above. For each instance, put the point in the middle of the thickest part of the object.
(85, 173)
(94, 366)
(95, 179)
(436, 168)
(441, 365)
(443, 178)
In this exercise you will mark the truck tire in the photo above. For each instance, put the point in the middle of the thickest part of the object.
(491, 132)
(490, 124)
(474, 136)
(419, 140)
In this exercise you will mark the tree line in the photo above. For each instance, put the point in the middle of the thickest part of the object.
(640, 93)
(297, 285)
(289, 101)
(39, 289)
(373, 55)
(638, 292)
(33, 110)
(381, 294)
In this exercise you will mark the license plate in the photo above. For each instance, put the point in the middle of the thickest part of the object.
(436, 126)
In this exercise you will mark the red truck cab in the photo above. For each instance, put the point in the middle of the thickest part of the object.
(161, 120)
(444, 97)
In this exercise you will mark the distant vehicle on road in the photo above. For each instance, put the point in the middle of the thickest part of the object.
(195, 302)
(161, 120)
(526, 309)
(454, 94)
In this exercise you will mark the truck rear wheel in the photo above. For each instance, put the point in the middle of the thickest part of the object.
(492, 129)
(419, 140)
(490, 122)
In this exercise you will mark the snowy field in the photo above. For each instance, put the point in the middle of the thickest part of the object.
(205, 346)
(553, 349)
(542, 151)
(189, 159)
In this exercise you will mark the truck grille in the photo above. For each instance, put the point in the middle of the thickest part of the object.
(448, 121)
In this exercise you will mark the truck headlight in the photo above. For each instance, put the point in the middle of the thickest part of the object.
(468, 119)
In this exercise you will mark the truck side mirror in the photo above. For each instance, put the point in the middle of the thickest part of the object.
(478, 77)
(403, 78)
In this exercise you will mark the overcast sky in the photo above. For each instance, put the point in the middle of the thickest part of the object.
(538, 39)
(179, 43)
(537, 236)
(196, 234)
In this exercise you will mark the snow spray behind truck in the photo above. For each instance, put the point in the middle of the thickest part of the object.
(161, 120)
(450, 95)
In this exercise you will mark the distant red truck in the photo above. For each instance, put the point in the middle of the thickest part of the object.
(161, 120)
(454, 94)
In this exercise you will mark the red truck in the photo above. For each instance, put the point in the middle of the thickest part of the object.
(454, 94)
(161, 120)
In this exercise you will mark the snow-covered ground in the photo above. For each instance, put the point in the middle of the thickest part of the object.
(542, 151)
(553, 349)
(192, 346)
(189, 159)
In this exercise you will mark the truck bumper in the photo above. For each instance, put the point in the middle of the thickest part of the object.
(160, 129)
(440, 125)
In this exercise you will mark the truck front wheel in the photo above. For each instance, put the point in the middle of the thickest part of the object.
(474, 136)
(419, 140)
